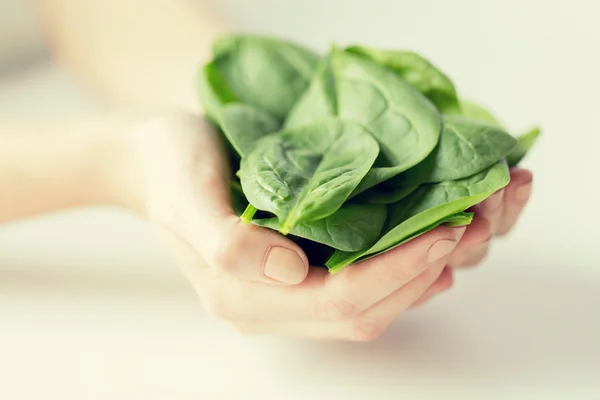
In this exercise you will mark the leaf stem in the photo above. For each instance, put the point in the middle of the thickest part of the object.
(248, 214)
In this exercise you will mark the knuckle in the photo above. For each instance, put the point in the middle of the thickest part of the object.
(477, 256)
(218, 304)
(216, 307)
(365, 330)
(231, 246)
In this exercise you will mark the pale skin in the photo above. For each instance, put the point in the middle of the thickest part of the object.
(168, 167)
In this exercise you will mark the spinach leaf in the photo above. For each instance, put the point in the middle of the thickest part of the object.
(524, 143)
(319, 100)
(425, 207)
(460, 219)
(243, 125)
(307, 173)
(213, 92)
(384, 194)
(476, 111)
(351, 228)
(418, 72)
(406, 125)
(267, 73)
(466, 147)
(339, 260)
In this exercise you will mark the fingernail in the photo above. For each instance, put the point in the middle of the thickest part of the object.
(522, 193)
(285, 266)
(443, 247)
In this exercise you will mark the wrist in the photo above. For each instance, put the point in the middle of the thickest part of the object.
(114, 165)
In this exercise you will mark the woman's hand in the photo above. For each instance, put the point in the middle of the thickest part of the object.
(494, 217)
(253, 277)
(172, 170)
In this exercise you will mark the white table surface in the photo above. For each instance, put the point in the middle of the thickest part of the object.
(90, 307)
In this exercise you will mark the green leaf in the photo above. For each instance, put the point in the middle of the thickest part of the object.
(460, 219)
(383, 194)
(213, 91)
(406, 124)
(418, 72)
(340, 260)
(476, 111)
(305, 174)
(426, 207)
(243, 125)
(267, 73)
(524, 143)
(352, 227)
(319, 100)
(466, 147)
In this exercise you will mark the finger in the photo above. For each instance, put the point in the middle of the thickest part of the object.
(334, 298)
(492, 210)
(442, 284)
(517, 195)
(475, 256)
(203, 215)
(365, 327)
(364, 284)
(183, 254)
(477, 235)
(370, 324)
(254, 253)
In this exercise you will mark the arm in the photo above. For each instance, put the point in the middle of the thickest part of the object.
(53, 166)
(133, 52)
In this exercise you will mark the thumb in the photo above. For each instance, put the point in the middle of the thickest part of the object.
(195, 195)
(227, 244)
(254, 253)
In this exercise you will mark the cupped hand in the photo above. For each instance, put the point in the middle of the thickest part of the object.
(253, 277)
(494, 217)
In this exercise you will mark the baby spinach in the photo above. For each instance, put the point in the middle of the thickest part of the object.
(356, 89)
(353, 152)
(427, 206)
(476, 111)
(243, 125)
(406, 125)
(384, 194)
(267, 73)
(307, 173)
(319, 100)
(352, 227)
(524, 143)
(213, 91)
(418, 72)
(466, 147)
(337, 261)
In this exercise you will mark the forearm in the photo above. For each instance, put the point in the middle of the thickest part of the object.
(54, 166)
(136, 53)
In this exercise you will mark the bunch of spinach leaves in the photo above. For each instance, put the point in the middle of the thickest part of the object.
(353, 152)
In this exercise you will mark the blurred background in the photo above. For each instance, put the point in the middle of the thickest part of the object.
(90, 307)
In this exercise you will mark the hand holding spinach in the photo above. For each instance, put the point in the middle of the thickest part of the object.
(354, 152)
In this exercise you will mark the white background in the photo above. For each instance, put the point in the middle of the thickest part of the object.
(90, 307)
